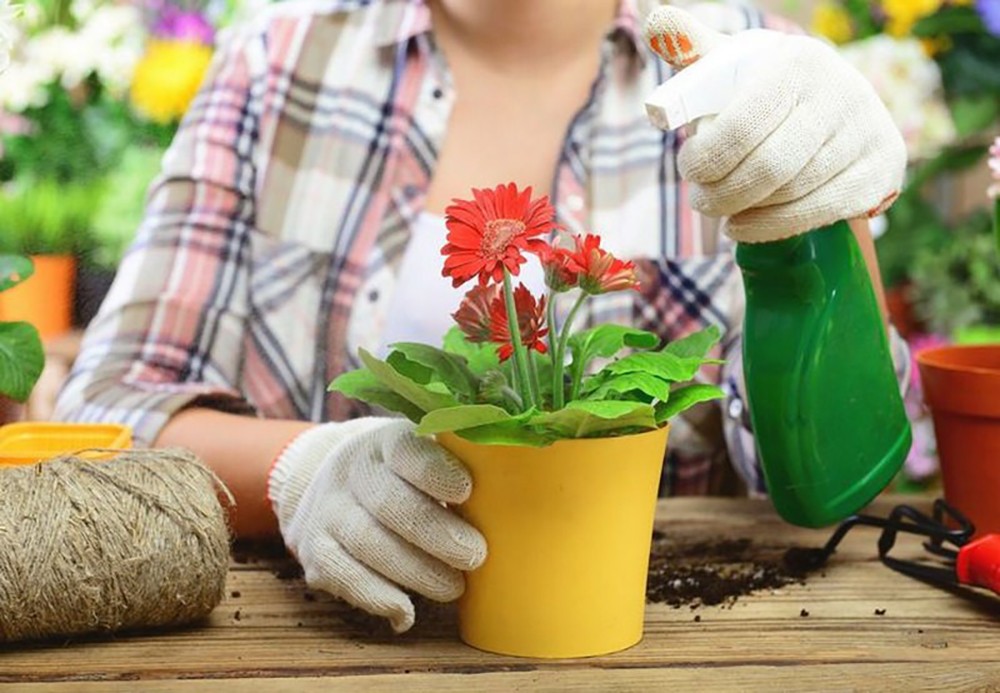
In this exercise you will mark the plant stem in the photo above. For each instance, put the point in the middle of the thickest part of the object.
(520, 353)
(557, 393)
(536, 387)
(559, 357)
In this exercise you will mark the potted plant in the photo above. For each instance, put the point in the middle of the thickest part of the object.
(565, 453)
(46, 220)
(73, 124)
(961, 383)
(21, 354)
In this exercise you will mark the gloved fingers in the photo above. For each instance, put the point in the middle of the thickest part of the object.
(778, 161)
(425, 464)
(678, 37)
(723, 142)
(864, 189)
(328, 567)
(416, 517)
(389, 555)
(831, 159)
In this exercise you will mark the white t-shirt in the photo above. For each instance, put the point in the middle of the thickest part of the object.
(422, 301)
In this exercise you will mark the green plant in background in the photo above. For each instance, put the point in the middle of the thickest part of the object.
(956, 282)
(119, 212)
(936, 64)
(46, 217)
(21, 354)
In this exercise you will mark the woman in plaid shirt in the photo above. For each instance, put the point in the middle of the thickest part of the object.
(325, 141)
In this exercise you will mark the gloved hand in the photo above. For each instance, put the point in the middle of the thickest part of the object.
(359, 503)
(802, 141)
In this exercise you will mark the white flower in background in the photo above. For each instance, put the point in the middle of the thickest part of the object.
(909, 83)
(114, 44)
(994, 164)
(108, 42)
(23, 86)
(8, 33)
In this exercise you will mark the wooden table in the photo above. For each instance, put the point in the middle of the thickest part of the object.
(270, 627)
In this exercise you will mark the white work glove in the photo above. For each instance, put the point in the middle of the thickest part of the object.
(800, 139)
(360, 504)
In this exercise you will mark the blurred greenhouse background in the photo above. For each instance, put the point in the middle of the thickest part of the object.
(96, 88)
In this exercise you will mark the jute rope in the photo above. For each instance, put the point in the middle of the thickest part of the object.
(137, 541)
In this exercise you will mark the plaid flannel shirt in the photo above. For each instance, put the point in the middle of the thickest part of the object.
(272, 236)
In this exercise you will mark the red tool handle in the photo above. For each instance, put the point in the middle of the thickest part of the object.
(979, 563)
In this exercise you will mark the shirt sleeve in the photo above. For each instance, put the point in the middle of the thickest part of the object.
(172, 328)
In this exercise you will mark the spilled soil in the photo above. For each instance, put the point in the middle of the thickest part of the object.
(710, 572)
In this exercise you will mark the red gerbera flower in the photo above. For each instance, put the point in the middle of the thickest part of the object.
(600, 271)
(559, 276)
(473, 315)
(530, 321)
(490, 233)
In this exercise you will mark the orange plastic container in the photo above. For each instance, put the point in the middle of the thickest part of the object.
(28, 443)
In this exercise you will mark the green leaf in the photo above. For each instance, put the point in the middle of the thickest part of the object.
(450, 369)
(479, 357)
(974, 113)
(661, 364)
(14, 269)
(416, 372)
(510, 433)
(947, 21)
(605, 341)
(684, 398)
(695, 344)
(423, 397)
(362, 384)
(21, 359)
(581, 419)
(461, 417)
(645, 383)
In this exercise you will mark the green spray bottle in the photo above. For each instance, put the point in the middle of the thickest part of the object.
(825, 405)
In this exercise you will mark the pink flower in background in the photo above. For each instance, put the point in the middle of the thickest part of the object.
(921, 462)
(918, 343)
(994, 164)
(176, 24)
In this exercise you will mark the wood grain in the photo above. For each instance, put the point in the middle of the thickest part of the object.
(927, 638)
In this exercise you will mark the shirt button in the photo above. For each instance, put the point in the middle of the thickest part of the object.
(410, 190)
(437, 93)
(735, 409)
(574, 203)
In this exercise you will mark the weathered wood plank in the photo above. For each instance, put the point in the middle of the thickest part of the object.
(888, 677)
(275, 628)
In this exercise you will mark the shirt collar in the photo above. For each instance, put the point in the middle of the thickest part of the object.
(399, 21)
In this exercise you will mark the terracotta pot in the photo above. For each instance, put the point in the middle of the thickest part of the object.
(569, 528)
(46, 298)
(962, 389)
(901, 313)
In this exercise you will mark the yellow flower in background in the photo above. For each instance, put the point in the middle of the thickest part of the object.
(901, 15)
(832, 21)
(167, 78)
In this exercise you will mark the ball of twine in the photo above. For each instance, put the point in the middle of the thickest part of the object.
(137, 541)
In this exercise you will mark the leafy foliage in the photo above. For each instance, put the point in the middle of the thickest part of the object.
(464, 388)
(21, 355)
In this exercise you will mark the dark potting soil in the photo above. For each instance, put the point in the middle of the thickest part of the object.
(710, 572)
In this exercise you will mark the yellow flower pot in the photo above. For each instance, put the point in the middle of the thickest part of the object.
(568, 529)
